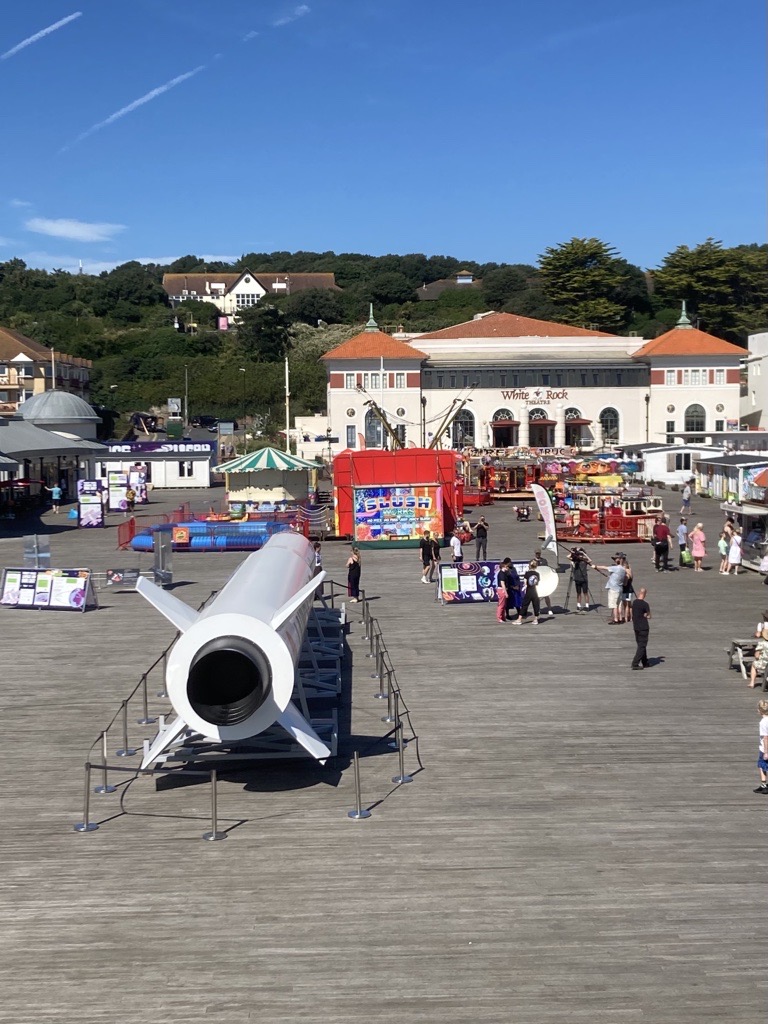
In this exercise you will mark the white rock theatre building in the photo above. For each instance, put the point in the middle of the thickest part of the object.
(531, 383)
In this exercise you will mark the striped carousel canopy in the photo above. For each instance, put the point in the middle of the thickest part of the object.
(265, 458)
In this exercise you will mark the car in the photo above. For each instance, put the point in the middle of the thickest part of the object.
(205, 421)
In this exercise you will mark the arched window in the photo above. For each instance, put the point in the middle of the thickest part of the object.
(463, 429)
(502, 414)
(537, 414)
(373, 430)
(609, 421)
(695, 419)
(572, 414)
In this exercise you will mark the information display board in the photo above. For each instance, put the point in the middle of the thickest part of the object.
(397, 513)
(61, 589)
(471, 582)
(90, 510)
(122, 577)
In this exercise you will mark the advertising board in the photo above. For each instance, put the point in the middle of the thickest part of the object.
(62, 589)
(90, 510)
(397, 513)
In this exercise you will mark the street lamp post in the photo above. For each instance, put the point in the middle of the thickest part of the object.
(242, 370)
(186, 395)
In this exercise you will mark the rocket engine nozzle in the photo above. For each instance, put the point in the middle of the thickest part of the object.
(229, 679)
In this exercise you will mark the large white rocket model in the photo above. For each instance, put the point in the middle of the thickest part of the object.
(231, 673)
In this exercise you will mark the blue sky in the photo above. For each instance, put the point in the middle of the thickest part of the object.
(486, 130)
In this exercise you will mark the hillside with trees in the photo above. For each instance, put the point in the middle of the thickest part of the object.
(140, 346)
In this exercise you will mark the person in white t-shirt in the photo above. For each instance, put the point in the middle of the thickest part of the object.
(762, 750)
(456, 552)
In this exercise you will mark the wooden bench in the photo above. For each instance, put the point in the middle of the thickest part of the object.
(741, 655)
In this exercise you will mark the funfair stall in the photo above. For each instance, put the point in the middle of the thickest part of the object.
(391, 498)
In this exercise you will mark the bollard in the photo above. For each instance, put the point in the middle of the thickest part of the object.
(164, 691)
(364, 604)
(145, 719)
(105, 786)
(376, 674)
(366, 622)
(125, 750)
(382, 694)
(359, 811)
(401, 779)
(394, 744)
(86, 825)
(371, 637)
(214, 835)
(389, 717)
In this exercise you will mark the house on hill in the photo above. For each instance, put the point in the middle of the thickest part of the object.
(28, 368)
(232, 292)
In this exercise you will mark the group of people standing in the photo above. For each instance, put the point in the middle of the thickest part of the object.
(517, 594)
(692, 545)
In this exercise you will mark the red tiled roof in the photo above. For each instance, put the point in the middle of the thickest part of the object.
(374, 345)
(509, 325)
(688, 341)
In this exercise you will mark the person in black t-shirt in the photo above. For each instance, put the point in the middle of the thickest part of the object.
(504, 590)
(532, 578)
(641, 614)
(426, 555)
(481, 538)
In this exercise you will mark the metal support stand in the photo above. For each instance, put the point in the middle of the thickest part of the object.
(104, 788)
(390, 716)
(395, 743)
(125, 750)
(359, 811)
(163, 693)
(86, 825)
(401, 778)
(214, 835)
(378, 656)
(382, 694)
(371, 637)
(145, 719)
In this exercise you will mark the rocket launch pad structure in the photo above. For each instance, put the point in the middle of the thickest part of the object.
(231, 674)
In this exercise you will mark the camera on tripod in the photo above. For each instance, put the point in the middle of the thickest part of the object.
(578, 556)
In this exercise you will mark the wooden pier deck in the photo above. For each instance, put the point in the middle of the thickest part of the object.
(583, 844)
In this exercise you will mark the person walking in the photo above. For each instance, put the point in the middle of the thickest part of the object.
(661, 536)
(685, 509)
(503, 590)
(682, 539)
(541, 560)
(762, 748)
(56, 493)
(532, 578)
(457, 554)
(615, 585)
(425, 556)
(722, 547)
(698, 546)
(481, 538)
(354, 570)
(434, 563)
(641, 622)
(734, 552)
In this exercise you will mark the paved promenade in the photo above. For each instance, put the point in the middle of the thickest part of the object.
(583, 844)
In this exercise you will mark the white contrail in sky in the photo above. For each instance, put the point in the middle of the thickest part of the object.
(146, 98)
(39, 35)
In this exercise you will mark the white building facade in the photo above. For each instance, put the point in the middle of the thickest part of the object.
(523, 383)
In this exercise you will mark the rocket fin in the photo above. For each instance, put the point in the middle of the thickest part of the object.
(180, 614)
(164, 739)
(296, 601)
(296, 724)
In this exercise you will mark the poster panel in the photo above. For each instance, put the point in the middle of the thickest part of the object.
(90, 510)
(65, 589)
(117, 484)
(397, 513)
(137, 479)
(471, 582)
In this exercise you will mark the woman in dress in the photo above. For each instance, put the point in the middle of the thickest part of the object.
(734, 552)
(698, 542)
(354, 568)
(627, 590)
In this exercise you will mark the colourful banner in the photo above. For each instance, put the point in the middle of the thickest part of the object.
(65, 589)
(397, 513)
(471, 582)
(544, 503)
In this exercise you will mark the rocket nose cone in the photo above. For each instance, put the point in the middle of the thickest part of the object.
(229, 679)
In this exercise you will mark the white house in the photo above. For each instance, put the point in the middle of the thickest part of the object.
(232, 292)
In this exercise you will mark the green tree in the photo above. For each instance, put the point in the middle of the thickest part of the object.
(264, 333)
(312, 305)
(502, 284)
(590, 284)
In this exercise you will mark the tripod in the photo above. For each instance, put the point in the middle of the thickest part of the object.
(590, 599)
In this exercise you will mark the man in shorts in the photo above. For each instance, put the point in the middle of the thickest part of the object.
(615, 585)
(425, 552)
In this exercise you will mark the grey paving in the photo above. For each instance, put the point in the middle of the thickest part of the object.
(583, 843)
